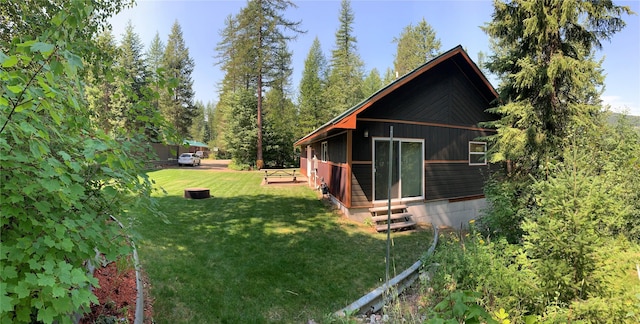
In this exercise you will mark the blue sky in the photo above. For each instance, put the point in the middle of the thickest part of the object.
(456, 22)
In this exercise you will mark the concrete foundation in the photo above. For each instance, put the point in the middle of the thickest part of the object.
(439, 213)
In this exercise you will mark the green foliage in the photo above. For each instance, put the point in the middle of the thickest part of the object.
(177, 106)
(506, 201)
(416, 46)
(550, 81)
(495, 269)
(313, 110)
(344, 87)
(506, 278)
(61, 178)
(460, 307)
(240, 139)
(372, 83)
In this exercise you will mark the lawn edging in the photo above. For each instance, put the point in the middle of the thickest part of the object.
(374, 300)
(139, 311)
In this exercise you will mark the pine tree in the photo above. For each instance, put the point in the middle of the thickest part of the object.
(345, 77)
(550, 81)
(389, 76)
(177, 106)
(154, 63)
(198, 123)
(279, 111)
(241, 138)
(101, 87)
(557, 196)
(312, 103)
(132, 102)
(255, 37)
(416, 46)
(372, 83)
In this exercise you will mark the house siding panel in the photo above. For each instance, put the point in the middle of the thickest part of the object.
(362, 186)
(451, 180)
(442, 95)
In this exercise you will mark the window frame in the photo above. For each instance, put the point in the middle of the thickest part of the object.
(324, 151)
(475, 154)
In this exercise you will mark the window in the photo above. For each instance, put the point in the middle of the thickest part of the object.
(477, 153)
(324, 152)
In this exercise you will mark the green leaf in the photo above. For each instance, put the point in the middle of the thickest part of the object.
(58, 292)
(22, 290)
(46, 314)
(6, 302)
(15, 89)
(10, 61)
(43, 48)
(74, 62)
(8, 272)
(46, 280)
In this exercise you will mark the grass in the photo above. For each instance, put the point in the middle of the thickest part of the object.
(259, 254)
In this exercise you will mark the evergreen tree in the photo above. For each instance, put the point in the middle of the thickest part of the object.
(312, 104)
(280, 112)
(558, 195)
(345, 78)
(255, 36)
(550, 82)
(389, 76)
(220, 124)
(198, 123)
(416, 46)
(240, 139)
(209, 115)
(235, 57)
(132, 79)
(177, 106)
(154, 64)
(372, 83)
(101, 87)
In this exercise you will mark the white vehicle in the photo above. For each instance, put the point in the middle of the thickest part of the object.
(200, 154)
(188, 159)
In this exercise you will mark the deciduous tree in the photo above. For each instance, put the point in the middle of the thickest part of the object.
(62, 179)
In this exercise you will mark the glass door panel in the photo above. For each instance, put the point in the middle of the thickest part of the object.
(411, 167)
(381, 170)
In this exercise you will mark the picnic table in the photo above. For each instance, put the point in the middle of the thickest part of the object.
(279, 173)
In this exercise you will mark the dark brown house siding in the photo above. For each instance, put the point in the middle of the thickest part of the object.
(441, 95)
(362, 185)
(454, 180)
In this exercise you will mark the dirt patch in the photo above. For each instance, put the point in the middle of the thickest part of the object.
(117, 296)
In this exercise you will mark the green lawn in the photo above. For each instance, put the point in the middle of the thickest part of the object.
(259, 254)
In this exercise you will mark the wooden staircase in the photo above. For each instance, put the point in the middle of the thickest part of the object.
(400, 219)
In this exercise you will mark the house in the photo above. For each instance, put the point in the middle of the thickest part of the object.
(438, 158)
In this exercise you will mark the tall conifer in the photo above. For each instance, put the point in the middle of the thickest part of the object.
(312, 103)
(178, 106)
(345, 79)
(416, 46)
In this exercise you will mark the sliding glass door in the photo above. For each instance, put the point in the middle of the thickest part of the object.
(407, 171)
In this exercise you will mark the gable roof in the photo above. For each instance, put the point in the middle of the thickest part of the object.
(347, 120)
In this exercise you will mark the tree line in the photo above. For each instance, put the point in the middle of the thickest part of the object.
(256, 119)
(254, 56)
